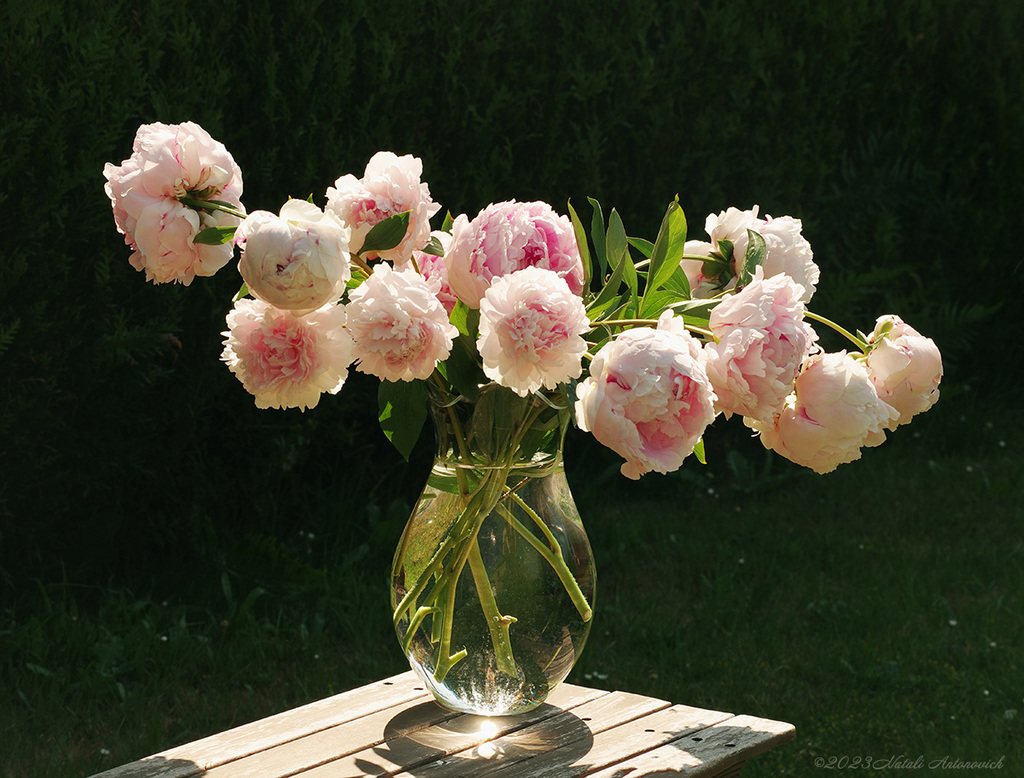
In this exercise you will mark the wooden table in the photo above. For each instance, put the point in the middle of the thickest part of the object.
(393, 727)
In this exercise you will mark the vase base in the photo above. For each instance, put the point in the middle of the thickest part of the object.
(494, 695)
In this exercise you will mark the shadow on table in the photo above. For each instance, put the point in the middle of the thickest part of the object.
(155, 767)
(474, 745)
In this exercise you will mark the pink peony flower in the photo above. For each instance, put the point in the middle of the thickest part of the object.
(283, 360)
(507, 237)
(786, 250)
(169, 162)
(400, 328)
(297, 261)
(761, 342)
(833, 412)
(531, 328)
(390, 185)
(904, 366)
(648, 397)
(435, 271)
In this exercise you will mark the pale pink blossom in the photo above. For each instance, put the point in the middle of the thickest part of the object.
(287, 361)
(297, 261)
(833, 412)
(647, 397)
(506, 237)
(390, 185)
(400, 328)
(435, 271)
(531, 331)
(761, 340)
(786, 251)
(702, 285)
(170, 162)
(904, 366)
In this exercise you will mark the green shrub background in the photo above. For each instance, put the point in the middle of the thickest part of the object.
(892, 129)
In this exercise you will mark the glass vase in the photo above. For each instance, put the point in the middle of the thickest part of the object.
(493, 579)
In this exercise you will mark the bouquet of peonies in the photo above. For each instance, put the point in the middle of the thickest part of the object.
(507, 324)
(648, 341)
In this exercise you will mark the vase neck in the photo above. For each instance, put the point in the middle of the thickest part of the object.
(500, 429)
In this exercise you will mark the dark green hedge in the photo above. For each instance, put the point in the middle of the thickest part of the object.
(893, 129)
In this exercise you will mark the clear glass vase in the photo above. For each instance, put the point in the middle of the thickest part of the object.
(493, 579)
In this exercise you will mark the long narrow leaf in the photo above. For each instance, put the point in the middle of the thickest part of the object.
(597, 235)
(668, 248)
(618, 251)
(581, 243)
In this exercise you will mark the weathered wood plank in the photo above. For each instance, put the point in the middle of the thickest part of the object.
(463, 733)
(194, 758)
(618, 743)
(716, 751)
(570, 732)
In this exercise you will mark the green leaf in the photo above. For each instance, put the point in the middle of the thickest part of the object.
(402, 407)
(434, 247)
(214, 236)
(642, 245)
(608, 297)
(754, 257)
(653, 304)
(243, 290)
(668, 248)
(581, 243)
(465, 319)
(698, 451)
(462, 370)
(597, 235)
(386, 234)
(618, 251)
(446, 225)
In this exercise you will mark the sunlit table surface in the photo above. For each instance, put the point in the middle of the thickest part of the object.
(393, 727)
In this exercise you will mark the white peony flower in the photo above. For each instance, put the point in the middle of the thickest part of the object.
(390, 185)
(400, 328)
(531, 331)
(283, 360)
(647, 397)
(761, 340)
(297, 261)
(905, 367)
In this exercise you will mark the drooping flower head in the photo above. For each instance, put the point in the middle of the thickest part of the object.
(648, 397)
(506, 237)
(297, 261)
(833, 412)
(761, 340)
(786, 251)
(400, 328)
(287, 361)
(170, 162)
(390, 185)
(904, 366)
(531, 331)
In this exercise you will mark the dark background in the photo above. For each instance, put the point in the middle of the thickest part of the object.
(892, 129)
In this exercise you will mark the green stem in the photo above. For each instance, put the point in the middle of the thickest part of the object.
(497, 624)
(648, 323)
(210, 205)
(553, 556)
(842, 331)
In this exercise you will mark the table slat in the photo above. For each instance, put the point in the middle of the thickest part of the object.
(717, 751)
(463, 733)
(194, 758)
